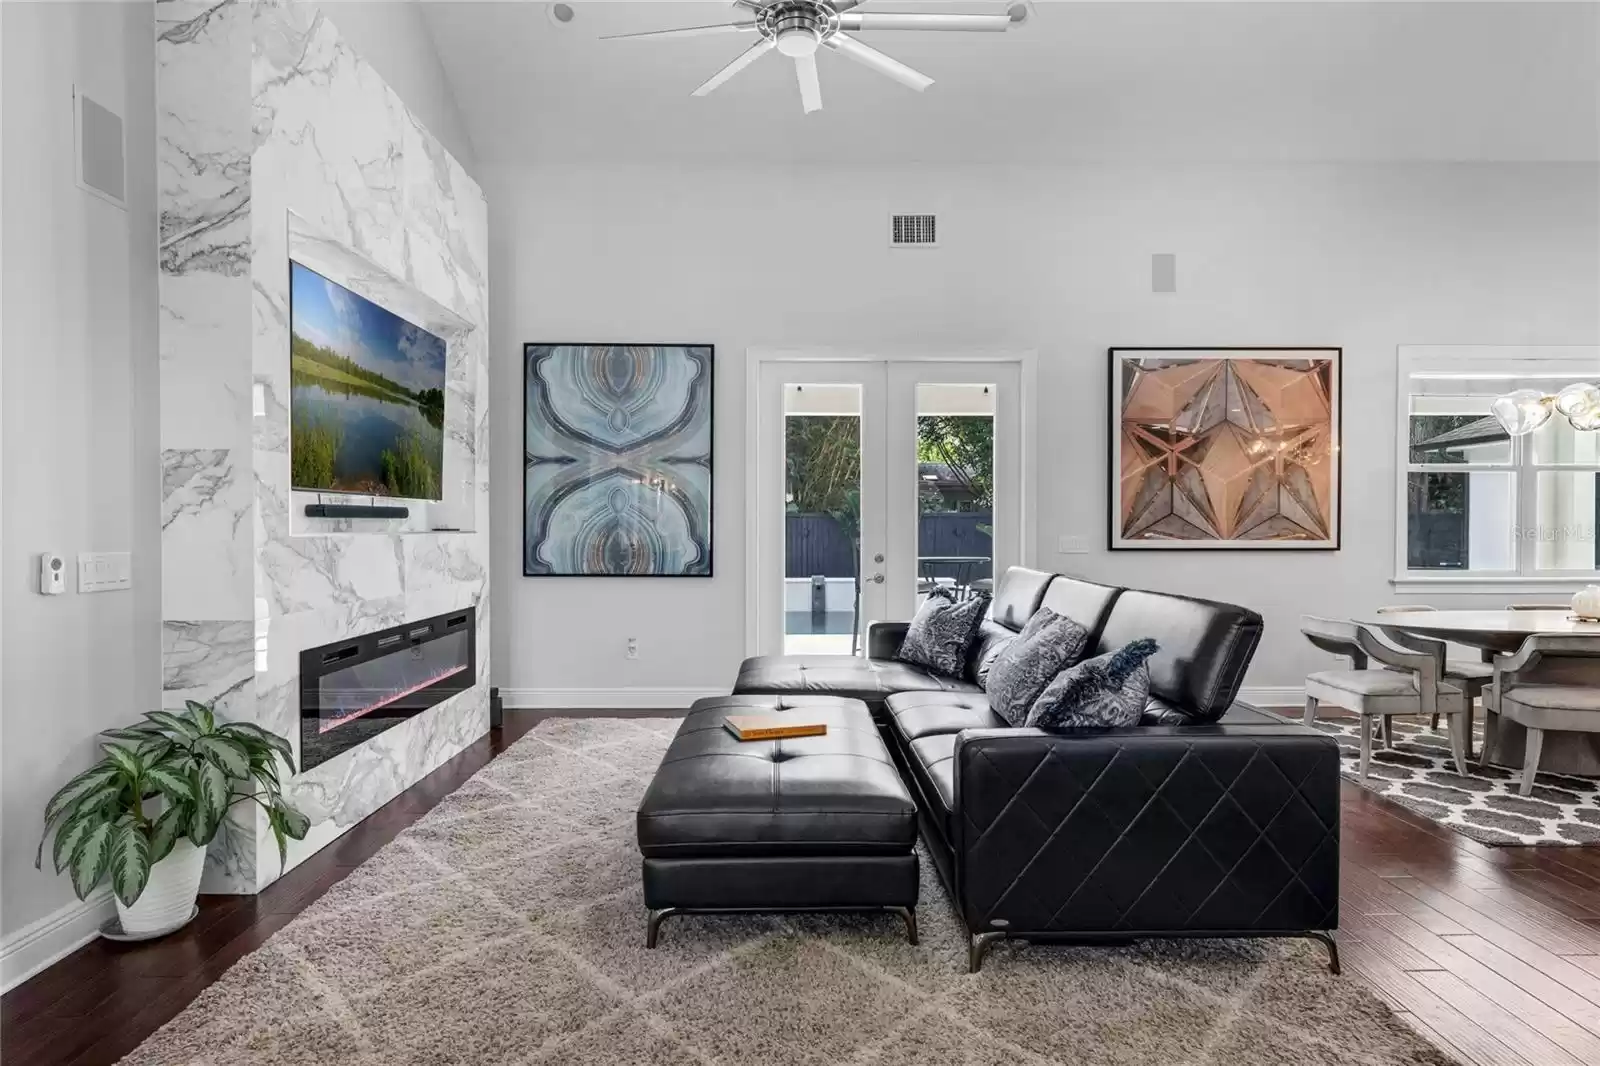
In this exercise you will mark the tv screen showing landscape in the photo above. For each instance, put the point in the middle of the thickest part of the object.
(366, 401)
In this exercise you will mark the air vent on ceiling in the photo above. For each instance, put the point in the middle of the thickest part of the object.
(913, 231)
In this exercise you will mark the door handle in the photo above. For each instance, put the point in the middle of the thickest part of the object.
(877, 579)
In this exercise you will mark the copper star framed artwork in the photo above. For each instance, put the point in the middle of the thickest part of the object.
(1225, 448)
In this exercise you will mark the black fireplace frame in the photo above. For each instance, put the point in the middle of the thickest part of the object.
(315, 663)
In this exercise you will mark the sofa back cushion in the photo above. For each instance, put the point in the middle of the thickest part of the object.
(1085, 602)
(1016, 597)
(1204, 649)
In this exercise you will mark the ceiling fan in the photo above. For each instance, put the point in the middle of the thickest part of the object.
(797, 28)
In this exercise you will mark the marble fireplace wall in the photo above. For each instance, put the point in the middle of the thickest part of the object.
(267, 122)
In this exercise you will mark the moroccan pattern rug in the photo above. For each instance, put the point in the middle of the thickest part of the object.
(1418, 773)
(507, 926)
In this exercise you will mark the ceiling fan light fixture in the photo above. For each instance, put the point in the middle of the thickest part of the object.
(798, 40)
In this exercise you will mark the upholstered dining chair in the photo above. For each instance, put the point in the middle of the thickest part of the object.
(1571, 702)
(1413, 684)
(1472, 675)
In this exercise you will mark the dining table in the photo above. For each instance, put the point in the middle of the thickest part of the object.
(1495, 632)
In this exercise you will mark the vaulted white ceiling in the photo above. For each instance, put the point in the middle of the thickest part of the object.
(1124, 81)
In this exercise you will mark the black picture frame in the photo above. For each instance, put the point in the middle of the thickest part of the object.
(1113, 425)
(711, 511)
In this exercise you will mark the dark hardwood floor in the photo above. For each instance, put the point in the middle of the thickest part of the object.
(1493, 952)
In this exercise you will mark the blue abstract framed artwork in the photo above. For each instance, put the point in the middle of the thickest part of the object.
(617, 444)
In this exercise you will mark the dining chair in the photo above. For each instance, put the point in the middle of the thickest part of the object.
(1413, 684)
(1472, 675)
(1543, 705)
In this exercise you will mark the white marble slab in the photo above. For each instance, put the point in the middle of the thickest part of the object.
(276, 139)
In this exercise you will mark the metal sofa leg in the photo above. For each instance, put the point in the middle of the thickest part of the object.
(978, 946)
(1333, 949)
(909, 915)
(656, 917)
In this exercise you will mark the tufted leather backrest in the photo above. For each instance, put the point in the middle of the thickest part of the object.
(1085, 602)
(1205, 648)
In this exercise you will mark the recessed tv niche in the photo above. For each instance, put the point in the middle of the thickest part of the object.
(366, 401)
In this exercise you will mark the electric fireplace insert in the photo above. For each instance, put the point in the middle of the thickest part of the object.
(355, 689)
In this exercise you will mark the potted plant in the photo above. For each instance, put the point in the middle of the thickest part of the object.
(143, 815)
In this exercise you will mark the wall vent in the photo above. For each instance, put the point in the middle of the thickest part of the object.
(913, 231)
(99, 149)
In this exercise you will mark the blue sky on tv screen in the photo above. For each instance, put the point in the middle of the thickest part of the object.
(330, 315)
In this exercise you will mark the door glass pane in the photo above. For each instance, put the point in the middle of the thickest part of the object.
(1460, 521)
(1569, 511)
(822, 542)
(955, 488)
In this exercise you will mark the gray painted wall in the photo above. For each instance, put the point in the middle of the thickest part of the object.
(1055, 258)
(79, 395)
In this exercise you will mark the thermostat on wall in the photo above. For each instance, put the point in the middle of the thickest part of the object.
(52, 574)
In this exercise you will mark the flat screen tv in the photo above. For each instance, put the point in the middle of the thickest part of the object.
(366, 398)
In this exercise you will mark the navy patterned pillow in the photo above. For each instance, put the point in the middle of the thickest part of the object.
(943, 632)
(1106, 692)
(1047, 644)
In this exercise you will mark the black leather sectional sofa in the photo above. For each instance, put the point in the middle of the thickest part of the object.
(1208, 819)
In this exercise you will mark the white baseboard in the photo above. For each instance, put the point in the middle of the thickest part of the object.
(1274, 696)
(607, 699)
(53, 937)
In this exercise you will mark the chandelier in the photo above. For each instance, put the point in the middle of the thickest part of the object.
(1525, 410)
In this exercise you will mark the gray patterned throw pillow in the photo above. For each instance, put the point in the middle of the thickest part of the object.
(1106, 692)
(942, 633)
(1046, 645)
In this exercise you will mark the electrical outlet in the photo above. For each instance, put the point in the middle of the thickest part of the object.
(1072, 544)
(104, 571)
(633, 648)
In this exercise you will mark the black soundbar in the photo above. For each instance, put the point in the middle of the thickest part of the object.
(355, 510)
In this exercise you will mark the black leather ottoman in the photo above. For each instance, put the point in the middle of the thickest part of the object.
(810, 824)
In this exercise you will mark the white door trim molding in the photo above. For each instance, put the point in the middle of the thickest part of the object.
(53, 937)
(757, 355)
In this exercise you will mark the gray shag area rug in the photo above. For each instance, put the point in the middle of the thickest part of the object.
(1419, 774)
(507, 926)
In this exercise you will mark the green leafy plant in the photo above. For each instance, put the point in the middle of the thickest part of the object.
(198, 766)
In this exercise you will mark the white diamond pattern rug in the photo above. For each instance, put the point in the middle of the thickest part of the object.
(507, 927)
(1419, 774)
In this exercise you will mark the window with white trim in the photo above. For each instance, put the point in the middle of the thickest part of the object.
(1477, 503)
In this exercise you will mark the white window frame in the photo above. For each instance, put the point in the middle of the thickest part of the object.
(1561, 364)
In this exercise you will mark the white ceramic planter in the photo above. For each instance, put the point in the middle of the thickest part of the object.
(168, 898)
(1586, 602)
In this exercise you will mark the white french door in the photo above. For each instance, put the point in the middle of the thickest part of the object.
(874, 480)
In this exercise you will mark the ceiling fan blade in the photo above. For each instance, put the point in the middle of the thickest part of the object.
(805, 71)
(968, 23)
(688, 31)
(871, 57)
(750, 55)
(841, 6)
(753, 5)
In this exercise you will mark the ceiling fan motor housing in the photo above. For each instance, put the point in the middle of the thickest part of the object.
(797, 27)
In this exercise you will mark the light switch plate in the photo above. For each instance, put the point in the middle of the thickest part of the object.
(1072, 544)
(104, 571)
